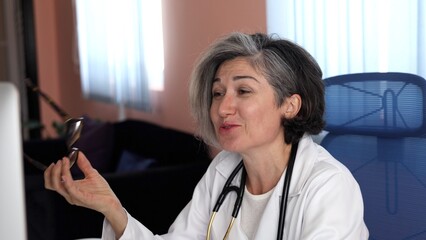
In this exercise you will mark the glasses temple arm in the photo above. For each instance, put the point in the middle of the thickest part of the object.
(58, 110)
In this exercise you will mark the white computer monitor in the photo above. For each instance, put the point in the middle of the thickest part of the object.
(12, 200)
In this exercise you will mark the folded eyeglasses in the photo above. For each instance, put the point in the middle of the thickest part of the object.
(73, 127)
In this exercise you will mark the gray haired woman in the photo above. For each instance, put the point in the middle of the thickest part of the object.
(258, 99)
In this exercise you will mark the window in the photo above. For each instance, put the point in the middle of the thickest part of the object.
(348, 36)
(120, 47)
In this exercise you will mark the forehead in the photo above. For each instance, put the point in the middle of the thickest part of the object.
(237, 65)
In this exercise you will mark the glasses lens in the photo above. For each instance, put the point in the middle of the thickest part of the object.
(73, 156)
(73, 127)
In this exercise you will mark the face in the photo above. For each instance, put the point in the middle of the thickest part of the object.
(243, 111)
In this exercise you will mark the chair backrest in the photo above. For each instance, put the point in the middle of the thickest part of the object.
(376, 126)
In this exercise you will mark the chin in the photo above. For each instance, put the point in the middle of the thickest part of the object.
(231, 147)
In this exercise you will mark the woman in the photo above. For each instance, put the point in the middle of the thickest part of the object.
(259, 99)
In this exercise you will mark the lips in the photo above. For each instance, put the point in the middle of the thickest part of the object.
(226, 127)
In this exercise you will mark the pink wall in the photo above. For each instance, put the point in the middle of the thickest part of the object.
(189, 27)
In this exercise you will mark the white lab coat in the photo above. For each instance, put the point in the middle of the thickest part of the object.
(325, 202)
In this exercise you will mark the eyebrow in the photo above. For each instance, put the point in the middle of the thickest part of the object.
(235, 78)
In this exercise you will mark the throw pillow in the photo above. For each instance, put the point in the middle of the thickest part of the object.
(130, 161)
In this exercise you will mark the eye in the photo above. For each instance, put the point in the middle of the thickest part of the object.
(243, 91)
(217, 93)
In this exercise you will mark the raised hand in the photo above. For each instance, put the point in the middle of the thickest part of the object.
(92, 192)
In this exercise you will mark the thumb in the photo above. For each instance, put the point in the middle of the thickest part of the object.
(83, 163)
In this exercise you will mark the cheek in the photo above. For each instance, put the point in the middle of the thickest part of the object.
(259, 112)
(213, 114)
(266, 118)
(252, 113)
(255, 118)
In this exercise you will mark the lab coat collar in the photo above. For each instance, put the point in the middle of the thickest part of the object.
(306, 156)
(226, 167)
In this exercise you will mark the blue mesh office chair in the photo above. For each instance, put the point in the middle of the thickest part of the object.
(376, 124)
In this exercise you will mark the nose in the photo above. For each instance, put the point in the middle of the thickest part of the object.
(227, 106)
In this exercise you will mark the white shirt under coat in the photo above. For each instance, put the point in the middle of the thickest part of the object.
(325, 202)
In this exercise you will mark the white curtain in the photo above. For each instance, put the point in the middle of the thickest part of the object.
(115, 40)
(350, 36)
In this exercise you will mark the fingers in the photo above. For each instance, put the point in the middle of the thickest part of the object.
(51, 175)
(58, 177)
(91, 192)
(47, 179)
(67, 182)
(55, 176)
(84, 164)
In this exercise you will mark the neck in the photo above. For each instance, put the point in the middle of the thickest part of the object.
(265, 170)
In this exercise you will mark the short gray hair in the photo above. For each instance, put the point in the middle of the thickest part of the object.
(289, 69)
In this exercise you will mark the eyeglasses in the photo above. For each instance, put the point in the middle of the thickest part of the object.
(73, 127)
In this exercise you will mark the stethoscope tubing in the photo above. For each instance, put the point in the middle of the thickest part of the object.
(286, 187)
(227, 188)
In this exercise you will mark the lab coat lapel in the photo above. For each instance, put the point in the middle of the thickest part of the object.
(303, 165)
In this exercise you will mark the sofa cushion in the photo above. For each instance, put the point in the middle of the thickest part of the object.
(130, 161)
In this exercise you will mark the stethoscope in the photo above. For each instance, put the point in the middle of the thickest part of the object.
(227, 188)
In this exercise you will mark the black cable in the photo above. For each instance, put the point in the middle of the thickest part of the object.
(286, 187)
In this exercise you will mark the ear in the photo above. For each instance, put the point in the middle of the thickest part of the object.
(291, 106)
